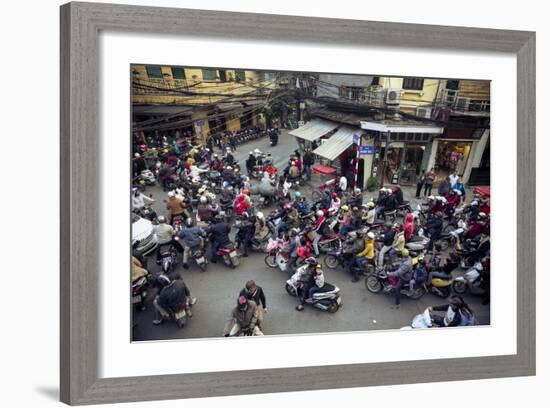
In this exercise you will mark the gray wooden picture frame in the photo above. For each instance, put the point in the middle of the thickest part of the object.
(80, 233)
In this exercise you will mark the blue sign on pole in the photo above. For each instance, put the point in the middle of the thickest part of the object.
(366, 149)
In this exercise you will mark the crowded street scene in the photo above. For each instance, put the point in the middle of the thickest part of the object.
(277, 203)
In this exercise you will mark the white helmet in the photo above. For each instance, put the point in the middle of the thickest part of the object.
(137, 155)
(201, 190)
(161, 219)
(171, 194)
(229, 168)
(196, 179)
(357, 190)
(370, 235)
(250, 153)
(256, 151)
(260, 215)
(478, 267)
(475, 202)
(320, 213)
(482, 215)
(134, 189)
(431, 198)
(203, 200)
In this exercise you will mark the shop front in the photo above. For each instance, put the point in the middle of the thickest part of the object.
(401, 150)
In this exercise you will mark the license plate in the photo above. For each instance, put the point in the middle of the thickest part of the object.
(200, 260)
(136, 299)
(339, 300)
(180, 314)
(233, 254)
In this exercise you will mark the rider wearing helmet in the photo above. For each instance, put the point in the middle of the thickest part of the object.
(356, 199)
(404, 273)
(175, 206)
(365, 256)
(219, 233)
(165, 234)
(192, 237)
(334, 204)
(306, 275)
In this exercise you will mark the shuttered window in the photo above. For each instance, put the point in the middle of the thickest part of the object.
(178, 73)
(209, 74)
(416, 84)
(154, 71)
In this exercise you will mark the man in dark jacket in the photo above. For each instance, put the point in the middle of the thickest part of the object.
(250, 162)
(387, 239)
(173, 297)
(308, 161)
(253, 292)
(247, 229)
(434, 226)
(219, 233)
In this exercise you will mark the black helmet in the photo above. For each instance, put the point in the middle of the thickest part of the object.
(311, 261)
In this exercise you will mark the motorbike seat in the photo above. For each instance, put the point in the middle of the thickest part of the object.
(327, 288)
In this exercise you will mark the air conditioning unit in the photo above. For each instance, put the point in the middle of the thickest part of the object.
(393, 96)
(462, 104)
(424, 112)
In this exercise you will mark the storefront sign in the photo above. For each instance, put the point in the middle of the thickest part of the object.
(366, 149)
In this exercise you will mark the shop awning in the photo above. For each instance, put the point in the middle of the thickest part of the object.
(401, 127)
(337, 143)
(314, 129)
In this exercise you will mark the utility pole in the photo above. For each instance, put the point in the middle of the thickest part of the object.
(385, 163)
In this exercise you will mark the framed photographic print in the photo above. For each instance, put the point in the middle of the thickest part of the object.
(311, 193)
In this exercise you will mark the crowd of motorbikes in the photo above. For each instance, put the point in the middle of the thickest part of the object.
(443, 234)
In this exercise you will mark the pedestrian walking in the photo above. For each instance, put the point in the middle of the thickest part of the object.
(429, 183)
(420, 183)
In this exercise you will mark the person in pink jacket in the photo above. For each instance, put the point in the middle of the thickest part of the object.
(408, 226)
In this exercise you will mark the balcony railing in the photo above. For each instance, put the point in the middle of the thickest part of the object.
(458, 103)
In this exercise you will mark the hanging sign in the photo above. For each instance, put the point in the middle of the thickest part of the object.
(356, 139)
(366, 150)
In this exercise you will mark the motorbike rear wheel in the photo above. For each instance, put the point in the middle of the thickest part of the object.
(331, 261)
(417, 293)
(459, 287)
(373, 284)
(271, 260)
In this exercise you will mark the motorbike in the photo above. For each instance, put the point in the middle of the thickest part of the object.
(333, 259)
(147, 212)
(276, 257)
(472, 280)
(139, 293)
(404, 209)
(379, 281)
(168, 257)
(177, 223)
(148, 177)
(327, 298)
(179, 314)
(229, 255)
(439, 287)
(200, 259)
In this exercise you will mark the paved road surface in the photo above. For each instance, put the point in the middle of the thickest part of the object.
(218, 287)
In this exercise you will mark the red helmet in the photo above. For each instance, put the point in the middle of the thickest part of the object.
(334, 195)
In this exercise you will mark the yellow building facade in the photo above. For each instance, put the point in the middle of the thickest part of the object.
(208, 91)
(415, 91)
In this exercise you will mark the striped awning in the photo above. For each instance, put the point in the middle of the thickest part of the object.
(337, 143)
(314, 129)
